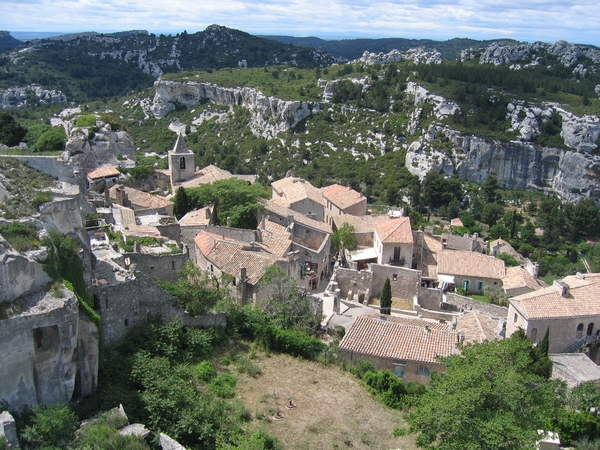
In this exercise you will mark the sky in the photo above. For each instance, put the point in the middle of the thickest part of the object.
(576, 21)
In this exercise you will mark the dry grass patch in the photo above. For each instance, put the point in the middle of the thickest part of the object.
(333, 409)
(397, 303)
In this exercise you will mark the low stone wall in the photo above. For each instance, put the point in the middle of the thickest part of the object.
(429, 298)
(459, 302)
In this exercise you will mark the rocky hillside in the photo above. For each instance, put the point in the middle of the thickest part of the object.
(93, 65)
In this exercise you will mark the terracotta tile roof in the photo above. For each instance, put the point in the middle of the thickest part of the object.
(275, 239)
(103, 172)
(582, 299)
(197, 217)
(208, 174)
(392, 230)
(282, 211)
(342, 196)
(456, 262)
(466, 243)
(477, 327)
(291, 190)
(256, 264)
(139, 198)
(361, 224)
(517, 278)
(456, 222)
(141, 230)
(127, 215)
(400, 339)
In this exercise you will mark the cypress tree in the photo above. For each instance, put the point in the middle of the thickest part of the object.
(385, 303)
(181, 203)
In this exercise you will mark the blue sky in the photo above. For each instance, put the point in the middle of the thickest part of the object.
(576, 21)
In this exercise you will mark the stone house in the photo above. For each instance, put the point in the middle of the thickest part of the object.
(570, 308)
(519, 280)
(381, 239)
(574, 369)
(407, 347)
(342, 200)
(465, 243)
(103, 178)
(141, 202)
(469, 270)
(244, 263)
(300, 196)
(310, 240)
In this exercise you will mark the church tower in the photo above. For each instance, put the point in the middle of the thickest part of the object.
(181, 161)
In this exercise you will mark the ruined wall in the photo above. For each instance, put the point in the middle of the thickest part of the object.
(352, 280)
(406, 286)
(40, 357)
(163, 267)
(430, 298)
(134, 302)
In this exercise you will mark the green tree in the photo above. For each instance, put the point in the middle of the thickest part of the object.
(181, 203)
(489, 398)
(34, 132)
(286, 304)
(498, 231)
(489, 189)
(51, 426)
(385, 302)
(344, 238)
(491, 213)
(51, 141)
(11, 132)
(435, 189)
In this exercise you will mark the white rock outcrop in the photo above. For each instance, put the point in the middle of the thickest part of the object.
(417, 55)
(16, 97)
(270, 115)
(441, 107)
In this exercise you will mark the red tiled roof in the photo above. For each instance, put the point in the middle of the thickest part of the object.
(342, 196)
(103, 172)
(400, 339)
(395, 229)
(291, 190)
(140, 198)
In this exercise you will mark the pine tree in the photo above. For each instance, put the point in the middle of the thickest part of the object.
(385, 303)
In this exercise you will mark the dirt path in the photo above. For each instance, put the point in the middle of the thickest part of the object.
(333, 409)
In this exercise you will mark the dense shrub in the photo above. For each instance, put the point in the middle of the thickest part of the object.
(224, 385)
(205, 371)
(49, 426)
(291, 342)
(387, 386)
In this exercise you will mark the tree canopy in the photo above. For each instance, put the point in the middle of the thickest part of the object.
(11, 132)
(491, 397)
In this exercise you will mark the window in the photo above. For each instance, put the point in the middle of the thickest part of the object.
(422, 370)
(399, 370)
(579, 332)
(515, 318)
(534, 335)
(173, 265)
(480, 285)
(590, 329)
(307, 231)
(395, 277)
(126, 322)
(182, 162)
(466, 285)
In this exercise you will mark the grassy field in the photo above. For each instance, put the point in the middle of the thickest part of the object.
(333, 409)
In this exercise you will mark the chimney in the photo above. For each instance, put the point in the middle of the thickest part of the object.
(563, 287)
(427, 328)
(207, 212)
(258, 235)
(228, 222)
(461, 336)
(454, 323)
(581, 276)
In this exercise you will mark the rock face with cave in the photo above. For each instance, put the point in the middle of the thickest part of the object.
(49, 351)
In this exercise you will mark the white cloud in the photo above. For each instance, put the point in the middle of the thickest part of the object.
(575, 21)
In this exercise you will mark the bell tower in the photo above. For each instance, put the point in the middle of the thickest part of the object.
(181, 161)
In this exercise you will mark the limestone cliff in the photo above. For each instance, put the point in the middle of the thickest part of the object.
(518, 165)
(270, 115)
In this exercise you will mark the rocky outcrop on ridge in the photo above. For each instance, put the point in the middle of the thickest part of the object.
(568, 54)
(270, 115)
(16, 97)
(417, 55)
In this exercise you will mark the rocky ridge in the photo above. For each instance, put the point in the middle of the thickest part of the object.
(417, 55)
(16, 97)
(568, 55)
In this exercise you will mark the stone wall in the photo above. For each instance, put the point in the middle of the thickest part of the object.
(163, 267)
(404, 282)
(430, 298)
(188, 233)
(458, 302)
(48, 352)
(133, 302)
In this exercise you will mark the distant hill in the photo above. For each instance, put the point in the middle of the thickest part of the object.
(7, 41)
(351, 49)
(93, 65)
